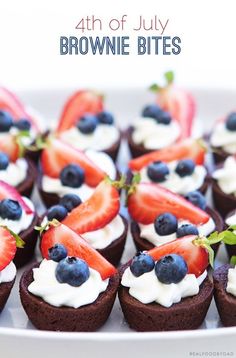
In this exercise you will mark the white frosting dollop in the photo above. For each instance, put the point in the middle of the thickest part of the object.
(223, 138)
(54, 185)
(46, 286)
(231, 284)
(24, 222)
(149, 233)
(28, 139)
(154, 135)
(99, 239)
(15, 173)
(231, 220)
(8, 273)
(102, 138)
(226, 176)
(147, 288)
(176, 183)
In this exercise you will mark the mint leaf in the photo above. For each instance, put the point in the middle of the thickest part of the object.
(169, 76)
(233, 260)
(155, 88)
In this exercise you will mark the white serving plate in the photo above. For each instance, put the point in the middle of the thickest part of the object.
(18, 338)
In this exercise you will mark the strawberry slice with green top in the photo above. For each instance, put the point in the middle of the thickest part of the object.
(58, 154)
(9, 192)
(76, 246)
(81, 102)
(187, 149)
(8, 245)
(10, 146)
(10, 103)
(178, 102)
(148, 200)
(98, 210)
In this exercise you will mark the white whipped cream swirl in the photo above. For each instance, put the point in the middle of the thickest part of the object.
(231, 284)
(8, 273)
(15, 173)
(46, 286)
(226, 176)
(153, 135)
(223, 138)
(147, 288)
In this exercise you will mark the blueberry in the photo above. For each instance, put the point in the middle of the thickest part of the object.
(72, 175)
(10, 209)
(171, 269)
(231, 122)
(105, 118)
(87, 124)
(70, 201)
(163, 118)
(23, 124)
(5, 121)
(165, 224)
(185, 167)
(57, 253)
(151, 111)
(187, 229)
(157, 171)
(72, 271)
(197, 199)
(58, 212)
(141, 264)
(4, 161)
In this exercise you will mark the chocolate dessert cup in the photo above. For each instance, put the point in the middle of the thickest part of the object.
(87, 318)
(5, 290)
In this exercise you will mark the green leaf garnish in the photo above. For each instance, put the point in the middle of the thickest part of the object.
(41, 229)
(233, 260)
(169, 76)
(19, 242)
(118, 184)
(155, 88)
(135, 181)
(40, 143)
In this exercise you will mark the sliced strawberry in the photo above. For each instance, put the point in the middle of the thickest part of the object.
(81, 102)
(9, 192)
(97, 211)
(7, 247)
(59, 154)
(196, 257)
(178, 102)
(10, 103)
(9, 145)
(76, 246)
(189, 149)
(150, 200)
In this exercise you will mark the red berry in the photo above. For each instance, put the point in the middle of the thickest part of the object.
(81, 102)
(76, 246)
(97, 211)
(7, 247)
(58, 154)
(9, 146)
(150, 200)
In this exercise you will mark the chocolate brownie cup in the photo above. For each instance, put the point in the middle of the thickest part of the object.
(86, 318)
(142, 244)
(136, 150)
(225, 302)
(189, 313)
(224, 203)
(5, 290)
(29, 236)
(230, 219)
(26, 187)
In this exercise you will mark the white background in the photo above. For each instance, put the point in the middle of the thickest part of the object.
(30, 31)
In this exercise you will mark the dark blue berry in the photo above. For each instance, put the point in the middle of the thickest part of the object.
(141, 264)
(58, 212)
(165, 224)
(185, 167)
(23, 124)
(72, 271)
(4, 161)
(151, 111)
(231, 122)
(10, 209)
(72, 175)
(105, 118)
(187, 229)
(197, 199)
(87, 124)
(163, 118)
(158, 171)
(70, 201)
(57, 253)
(171, 269)
(5, 121)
